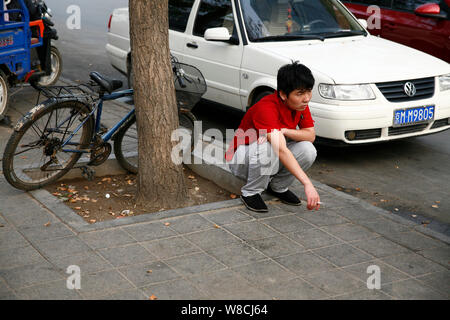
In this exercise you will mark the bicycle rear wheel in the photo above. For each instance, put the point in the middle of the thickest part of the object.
(34, 156)
(126, 141)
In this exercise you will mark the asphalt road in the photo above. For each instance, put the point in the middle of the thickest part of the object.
(407, 177)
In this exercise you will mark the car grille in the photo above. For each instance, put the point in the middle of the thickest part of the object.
(394, 92)
(440, 123)
(409, 129)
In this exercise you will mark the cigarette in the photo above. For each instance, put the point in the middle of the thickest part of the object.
(320, 202)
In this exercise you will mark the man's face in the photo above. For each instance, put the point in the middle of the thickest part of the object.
(297, 100)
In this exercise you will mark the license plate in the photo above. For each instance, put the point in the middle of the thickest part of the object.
(404, 117)
(6, 41)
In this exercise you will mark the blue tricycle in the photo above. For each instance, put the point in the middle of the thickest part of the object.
(25, 46)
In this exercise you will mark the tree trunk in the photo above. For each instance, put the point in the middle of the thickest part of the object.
(160, 181)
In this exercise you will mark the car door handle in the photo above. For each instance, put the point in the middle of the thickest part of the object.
(192, 45)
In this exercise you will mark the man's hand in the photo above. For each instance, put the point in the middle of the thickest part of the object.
(312, 197)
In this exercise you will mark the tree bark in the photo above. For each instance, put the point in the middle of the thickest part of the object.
(160, 181)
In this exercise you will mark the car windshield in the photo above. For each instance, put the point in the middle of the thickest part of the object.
(283, 20)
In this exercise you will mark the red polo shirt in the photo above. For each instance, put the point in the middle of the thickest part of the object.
(268, 114)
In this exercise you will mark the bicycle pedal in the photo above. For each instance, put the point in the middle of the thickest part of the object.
(87, 173)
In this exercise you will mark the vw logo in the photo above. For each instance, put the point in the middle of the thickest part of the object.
(410, 89)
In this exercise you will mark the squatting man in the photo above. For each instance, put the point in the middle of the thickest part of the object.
(273, 144)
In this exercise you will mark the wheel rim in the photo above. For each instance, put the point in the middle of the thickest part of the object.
(55, 65)
(129, 147)
(3, 95)
(32, 151)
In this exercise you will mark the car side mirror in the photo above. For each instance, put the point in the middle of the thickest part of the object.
(363, 22)
(430, 10)
(219, 34)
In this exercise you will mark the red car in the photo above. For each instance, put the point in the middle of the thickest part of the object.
(421, 24)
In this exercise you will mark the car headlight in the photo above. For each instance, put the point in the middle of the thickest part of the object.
(444, 82)
(346, 92)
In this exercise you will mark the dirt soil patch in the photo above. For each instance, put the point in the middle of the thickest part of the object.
(113, 197)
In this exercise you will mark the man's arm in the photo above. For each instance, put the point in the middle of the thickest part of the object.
(278, 143)
(306, 134)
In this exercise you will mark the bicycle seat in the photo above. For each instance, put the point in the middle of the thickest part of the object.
(105, 82)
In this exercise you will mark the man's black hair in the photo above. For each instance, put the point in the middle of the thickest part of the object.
(294, 76)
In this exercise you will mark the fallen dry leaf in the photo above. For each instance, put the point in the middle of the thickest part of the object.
(167, 224)
(191, 177)
(435, 206)
(152, 297)
(106, 179)
(92, 220)
(149, 271)
(94, 200)
(72, 201)
(77, 208)
(357, 189)
(233, 196)
(86, 188)
(216, 226)
(56, 194)
(47, 224)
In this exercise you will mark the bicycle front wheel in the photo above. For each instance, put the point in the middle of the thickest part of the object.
(34, 155)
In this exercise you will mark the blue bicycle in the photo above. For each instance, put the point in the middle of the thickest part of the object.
(49, 140)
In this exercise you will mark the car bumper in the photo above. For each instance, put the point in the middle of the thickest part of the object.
(374, 123)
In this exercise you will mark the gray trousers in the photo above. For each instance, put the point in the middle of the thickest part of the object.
(259, 165)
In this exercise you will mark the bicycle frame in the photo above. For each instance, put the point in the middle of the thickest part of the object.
(98, 109)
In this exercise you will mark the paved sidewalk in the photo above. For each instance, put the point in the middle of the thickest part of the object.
(217, 251)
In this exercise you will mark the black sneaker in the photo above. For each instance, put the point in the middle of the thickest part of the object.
(287, 197)
(255, 203)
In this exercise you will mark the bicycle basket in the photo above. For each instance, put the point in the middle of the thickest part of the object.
(190, 85)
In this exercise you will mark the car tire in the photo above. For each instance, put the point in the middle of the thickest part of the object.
(261, 95)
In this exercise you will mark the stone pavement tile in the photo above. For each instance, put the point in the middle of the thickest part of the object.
(179, 289)
(227, 285)
(305, 263)
(252, 230)
(356, 213)
(29, 214)
(149, 231)
(349, 232)
(170, 247)
(10, 239)
(387, 227)
(366, 294)
(439, 255)
(276, 246)
(413, 264)
(61, 247)
(342, 255)
(322, 218)
(380, 247)
(387, 273)
(11, 258)
(289, 223)
(55, 290)
(5, 292)
(212, 238)
(143, 274)
(439, 281)
(274, 211)
(126, 255)
(43, 232)
(264, 273)
(411, 289)
(335, 282)
(190, 223)
(28, 275)
(195, 264)
(226, 217)
(288, 208)
(89, 262)
(314, 238)
(106, 238)
(415, 241)
(294, 289)
(132, 294)
(102, 283)
(236, 254)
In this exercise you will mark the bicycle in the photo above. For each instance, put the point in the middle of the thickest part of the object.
(58, 131)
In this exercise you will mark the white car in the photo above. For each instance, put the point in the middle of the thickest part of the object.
(367, 89)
